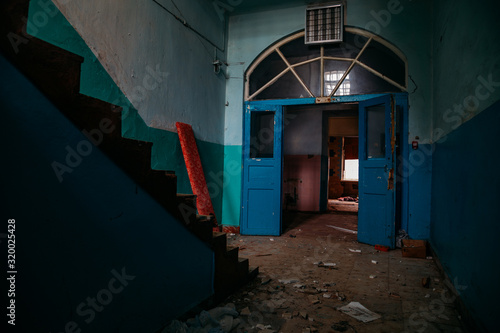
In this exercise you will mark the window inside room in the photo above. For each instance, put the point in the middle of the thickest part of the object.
(351, 170)
(350, 163)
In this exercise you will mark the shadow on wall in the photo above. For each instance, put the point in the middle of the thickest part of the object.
(94, 251)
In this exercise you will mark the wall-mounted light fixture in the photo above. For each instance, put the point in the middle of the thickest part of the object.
(219, 66)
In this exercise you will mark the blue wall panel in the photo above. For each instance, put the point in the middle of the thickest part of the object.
(465, 213)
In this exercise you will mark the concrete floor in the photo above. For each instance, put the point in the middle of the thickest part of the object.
(394, 291)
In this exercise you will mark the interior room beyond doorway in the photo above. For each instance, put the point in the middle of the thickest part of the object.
(320, 169)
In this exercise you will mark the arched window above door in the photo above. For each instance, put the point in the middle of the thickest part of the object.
(363, 63)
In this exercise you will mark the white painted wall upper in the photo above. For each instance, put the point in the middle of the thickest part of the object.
(164, 68)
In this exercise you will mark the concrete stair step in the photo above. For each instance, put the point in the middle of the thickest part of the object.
(232, 253)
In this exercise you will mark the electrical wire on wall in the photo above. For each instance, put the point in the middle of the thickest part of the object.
(182, 20)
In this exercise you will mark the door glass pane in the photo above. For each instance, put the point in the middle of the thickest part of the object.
(375, 131)
(262, 135)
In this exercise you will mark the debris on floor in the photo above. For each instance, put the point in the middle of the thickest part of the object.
(221, 319)
(401, 235)
(265, 281)
(358, 311)
(341, 326)
(348, 199)
(273, 302)
(414, 248)
(382, 248)
(245, 312)
(330, 265)
(343, 229)
(313, 299)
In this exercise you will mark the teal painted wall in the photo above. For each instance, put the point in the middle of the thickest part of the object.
(232, 185)
(466, 76)
(73, 238)
(96, 82)
(466, 111)
(408, 26)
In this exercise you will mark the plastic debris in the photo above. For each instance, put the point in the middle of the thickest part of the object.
(263, 327)
(373, 276)
(382, 248)
(374, 262)
(288, 281)
(218, 320)
(401, 235)
(355, 250)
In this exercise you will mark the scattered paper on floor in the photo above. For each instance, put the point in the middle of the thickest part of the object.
(358, 311)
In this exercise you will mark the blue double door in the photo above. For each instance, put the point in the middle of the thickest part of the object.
(262, 169)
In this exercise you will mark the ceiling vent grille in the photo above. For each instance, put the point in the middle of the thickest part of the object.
(324, 24)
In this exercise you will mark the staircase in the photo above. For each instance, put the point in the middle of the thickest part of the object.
(56, 73)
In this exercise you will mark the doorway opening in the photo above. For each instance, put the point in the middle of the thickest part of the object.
(320, 169)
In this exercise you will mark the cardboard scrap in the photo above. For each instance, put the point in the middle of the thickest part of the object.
(359, 312)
